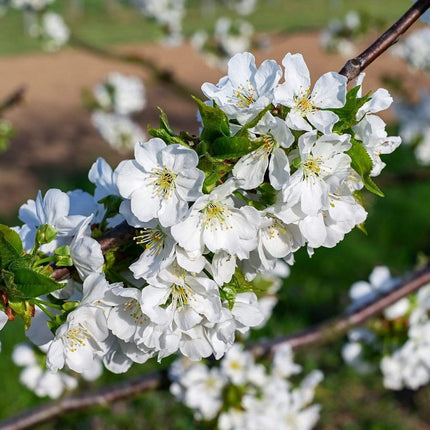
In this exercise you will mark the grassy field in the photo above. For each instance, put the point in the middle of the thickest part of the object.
(398, 230)
(110, 22)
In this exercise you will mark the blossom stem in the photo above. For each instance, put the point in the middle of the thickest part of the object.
(49, 304)
(355, 66)
(44, 310)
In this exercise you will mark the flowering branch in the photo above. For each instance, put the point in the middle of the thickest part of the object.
(14, 98)
(161, 74)
(320, 333)
(356, 65)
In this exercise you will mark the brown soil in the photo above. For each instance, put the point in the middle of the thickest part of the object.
(55, 141)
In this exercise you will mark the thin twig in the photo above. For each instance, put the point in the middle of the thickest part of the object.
(14, 98)
(163, 75)
(102, 397)
(356, 65)
(320, 333)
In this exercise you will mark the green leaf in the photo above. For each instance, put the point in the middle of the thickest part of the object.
(228, 147)
(251, 124)
(166, 136)
(237, 284)
(111, 204)
(164, 122)
(31, 284)
(215, 121)
(347, 114)
(362, 164)
(10, 246)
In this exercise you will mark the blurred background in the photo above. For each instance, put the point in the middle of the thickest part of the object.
(55, 142)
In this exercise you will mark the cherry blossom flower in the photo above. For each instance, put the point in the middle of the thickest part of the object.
(160, 181)
(295, 93)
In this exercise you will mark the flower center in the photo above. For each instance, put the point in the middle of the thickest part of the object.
(312, 166)
(76, 337)
(152, 239)
(164, 181)
(266, 148)
(304, 103)
(216, 215)
(181, 295)
(276, 228)
(132, 307)
(244, 95)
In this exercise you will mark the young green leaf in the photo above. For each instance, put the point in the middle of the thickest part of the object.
(362, 164)
(10, 246)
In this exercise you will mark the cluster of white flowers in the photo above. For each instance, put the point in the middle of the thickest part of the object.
(242, 7)
(30, 4)
(54, 31)
(168, 13)
(116, 99)
(415, 126)
(229, 38)
(271, 172)
(415, 49)
(41, 381)
(242, 394)
(340, 35)
(402, 337)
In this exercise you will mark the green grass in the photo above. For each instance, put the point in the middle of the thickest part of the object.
(110, 22)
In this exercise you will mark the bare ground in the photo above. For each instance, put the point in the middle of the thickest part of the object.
(55, 142)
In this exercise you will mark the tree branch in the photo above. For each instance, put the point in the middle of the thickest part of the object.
(320, 333)
(356, 65)
(13, 99)
(102, 397)
(162, 75)
(119, 235)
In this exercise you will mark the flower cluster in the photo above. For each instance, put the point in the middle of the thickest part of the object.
(242, 7)
(415, 126)
(340, 35)
(115, 100)
(229, 38)
(41, 381)
(400, 336)
(414, 49)
(168, 13)
(277, 166)
(242, 394)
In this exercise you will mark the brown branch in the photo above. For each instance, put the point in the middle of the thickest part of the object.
(13, 99)
(102, 397)
(356, 65)
(114, 238)
(328, 330)
(320, 333)
(160, 74)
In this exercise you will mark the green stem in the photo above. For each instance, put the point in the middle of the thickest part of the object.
(45, 311)
(44, 260)
(42, 302)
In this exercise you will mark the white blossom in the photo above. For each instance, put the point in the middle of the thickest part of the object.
(246, 90)
(122, 94)
(118, 130)
(160, 182)
(295, 93)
